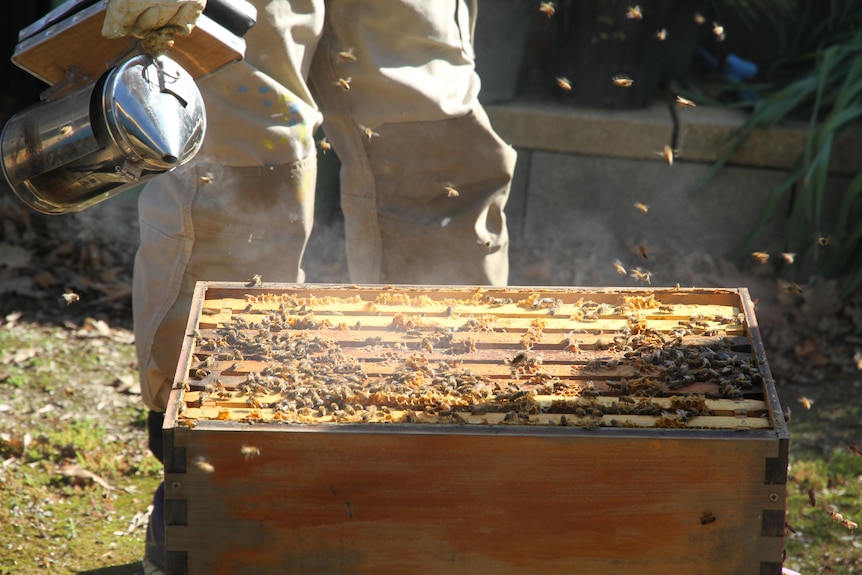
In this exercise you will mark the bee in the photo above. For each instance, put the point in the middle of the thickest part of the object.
(699, 18)
(812, 498)
(855, 450)
(787, 257)
(685, 102)
(622, 81)
(547, 8)
(792, 288)
(851, 525)
(249, 451)
(620, 268)
(642, 208)
(254, 281)
(428, 344)
(706, 518)
(203, 465)
(641, 275)
(451, 192)
(836, 517)
(347, 55)
(760, 257)
(518, 359)
(661, 35)
(324, 145)
(718, 31)
(788, 528)
(344, 83)
(668, 154)
(806, 403)
(206, 179)
(564, 83)
(643, 251)
(253, 402)
(634, 13)
(823, 241)
(369, 133)
(70, 297)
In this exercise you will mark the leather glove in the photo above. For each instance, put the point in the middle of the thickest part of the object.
(138, 18)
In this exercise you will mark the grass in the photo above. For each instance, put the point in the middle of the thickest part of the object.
(819, 486)
(77, 478)
(54, 527)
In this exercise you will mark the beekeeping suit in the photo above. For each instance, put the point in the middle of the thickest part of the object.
(424, 178)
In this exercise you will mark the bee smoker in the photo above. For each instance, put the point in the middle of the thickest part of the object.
(140, 119)
(89, 140)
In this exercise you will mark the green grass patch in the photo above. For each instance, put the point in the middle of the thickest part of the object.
(823, 493)
(77, 477)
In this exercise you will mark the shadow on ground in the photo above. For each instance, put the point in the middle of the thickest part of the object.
(133, 568)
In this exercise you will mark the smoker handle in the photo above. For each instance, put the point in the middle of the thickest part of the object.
(237, 16)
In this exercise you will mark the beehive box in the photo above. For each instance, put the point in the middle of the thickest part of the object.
(372, 429)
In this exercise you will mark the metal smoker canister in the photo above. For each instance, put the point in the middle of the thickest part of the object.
(142, 118)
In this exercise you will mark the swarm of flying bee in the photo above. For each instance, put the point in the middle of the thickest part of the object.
(347, 55)
(485, 358)
(760, 257)
(547, 8)
(634, 13)
(255, 281)
(668, 154)
(368, 132)
(70, 297)
(622, 81)
(685, 102)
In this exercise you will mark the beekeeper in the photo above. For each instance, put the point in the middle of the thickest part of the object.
(424, 178)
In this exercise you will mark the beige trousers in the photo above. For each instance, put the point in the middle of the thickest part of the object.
(394, 84)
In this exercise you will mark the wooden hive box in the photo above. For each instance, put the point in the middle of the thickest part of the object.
(398, 429)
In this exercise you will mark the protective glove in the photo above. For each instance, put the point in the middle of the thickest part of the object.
(138, 18)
